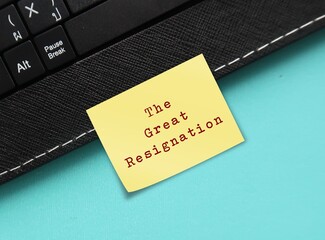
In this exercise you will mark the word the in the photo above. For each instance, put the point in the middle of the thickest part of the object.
(155, 109)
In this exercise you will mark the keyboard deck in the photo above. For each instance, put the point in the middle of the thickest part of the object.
(38, 37)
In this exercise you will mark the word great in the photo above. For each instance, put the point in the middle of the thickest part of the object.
(150, 132)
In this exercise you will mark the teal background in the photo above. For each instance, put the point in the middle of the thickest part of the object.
(270, 187)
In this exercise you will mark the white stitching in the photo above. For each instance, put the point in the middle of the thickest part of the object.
(3, 173)
(48, 151)
(307, 24)
(236, 60)
(41, 155)
(15, 168)
(293, 31)
(270, 43)
(319, 18)
(264, 46)
(277, 39)
(220, 67)
(51, 150)
(248, 54)
(217, 69)
(67, 143)
(28, 161)
(80, 136)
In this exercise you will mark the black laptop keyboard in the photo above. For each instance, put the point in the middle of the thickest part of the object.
(38, 37)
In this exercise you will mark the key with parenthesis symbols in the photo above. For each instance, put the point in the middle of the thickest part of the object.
(12, 29)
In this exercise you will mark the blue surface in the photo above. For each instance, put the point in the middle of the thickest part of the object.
(270, 187)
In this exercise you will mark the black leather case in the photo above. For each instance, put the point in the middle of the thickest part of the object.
(48, 119)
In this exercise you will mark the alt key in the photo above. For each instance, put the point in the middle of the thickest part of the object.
(24, 63)
(55, 48)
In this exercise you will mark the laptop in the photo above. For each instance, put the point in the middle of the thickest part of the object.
(60, 57)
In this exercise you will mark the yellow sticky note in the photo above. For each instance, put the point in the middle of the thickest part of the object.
(165, 125)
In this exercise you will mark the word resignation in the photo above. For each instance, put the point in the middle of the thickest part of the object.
(166, 146)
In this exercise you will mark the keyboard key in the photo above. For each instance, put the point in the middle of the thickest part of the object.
(6, 83)
(24, 63)
(79, 5)
(42, 14)
(12, 29)
(54, 47)
(5, 2)
(111, 19)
